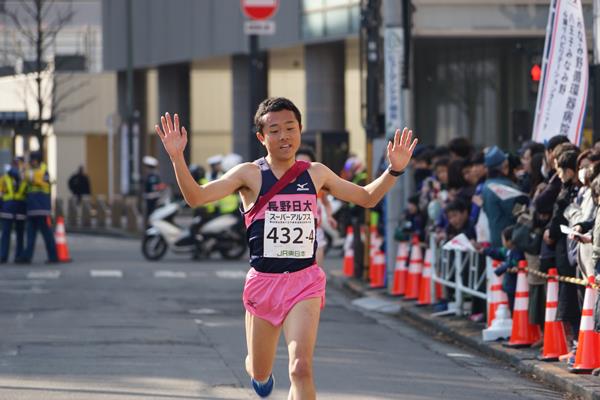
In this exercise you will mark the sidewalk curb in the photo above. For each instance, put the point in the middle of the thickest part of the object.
(107, 232)
(469, 334)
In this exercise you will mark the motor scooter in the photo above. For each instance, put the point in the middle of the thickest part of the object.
(223, 234)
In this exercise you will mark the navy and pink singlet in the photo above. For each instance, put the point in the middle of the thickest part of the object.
(288, 243)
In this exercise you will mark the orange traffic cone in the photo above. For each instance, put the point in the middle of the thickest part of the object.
(496, 295)
(524, 334)
(60, 237)
(415, 266)
(587, 357)
(400, 270)
(555, 341)
(378, 270)
(348, 268)
(425, 286)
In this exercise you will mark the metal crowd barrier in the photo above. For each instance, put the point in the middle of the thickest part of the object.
(461, 271)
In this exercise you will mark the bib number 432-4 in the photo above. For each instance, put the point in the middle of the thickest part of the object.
(289, 234)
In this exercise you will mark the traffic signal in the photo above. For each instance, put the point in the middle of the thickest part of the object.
(535, 72)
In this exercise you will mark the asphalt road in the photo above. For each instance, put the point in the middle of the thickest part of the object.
(112, 326)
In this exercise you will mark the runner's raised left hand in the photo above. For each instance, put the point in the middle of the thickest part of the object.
(400, 149)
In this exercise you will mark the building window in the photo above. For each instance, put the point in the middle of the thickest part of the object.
(330, 18)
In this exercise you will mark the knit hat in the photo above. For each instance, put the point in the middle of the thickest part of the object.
(494, 157)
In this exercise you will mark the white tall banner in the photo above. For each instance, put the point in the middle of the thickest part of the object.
(562, 93)
(394, 58)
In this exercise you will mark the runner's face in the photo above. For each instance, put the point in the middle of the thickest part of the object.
(280, 134)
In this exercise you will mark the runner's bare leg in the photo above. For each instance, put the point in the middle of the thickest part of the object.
(261, 339)
(300, 329)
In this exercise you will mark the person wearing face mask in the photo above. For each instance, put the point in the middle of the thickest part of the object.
(582, 211)
(569, 310)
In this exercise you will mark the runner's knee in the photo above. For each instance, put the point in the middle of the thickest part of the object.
(300, 369)
(260, 373)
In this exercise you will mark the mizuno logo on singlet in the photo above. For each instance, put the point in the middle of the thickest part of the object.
(302, 187)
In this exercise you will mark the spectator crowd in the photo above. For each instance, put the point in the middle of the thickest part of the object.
(538, 205)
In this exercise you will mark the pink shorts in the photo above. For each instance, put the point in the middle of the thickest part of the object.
(272, 296)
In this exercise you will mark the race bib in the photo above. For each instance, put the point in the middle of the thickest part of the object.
(289, 234)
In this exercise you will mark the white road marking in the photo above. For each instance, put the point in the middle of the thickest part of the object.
(231, 274)
(170, 274)
(106, 273)
(198, 274)
(203, 311)
(24, 316)
(50, 274)
(459, 355)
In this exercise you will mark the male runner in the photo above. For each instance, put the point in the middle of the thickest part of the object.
(284, 289)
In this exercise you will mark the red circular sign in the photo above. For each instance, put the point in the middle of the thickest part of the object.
(259, 9)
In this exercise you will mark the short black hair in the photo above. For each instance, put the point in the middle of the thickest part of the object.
(507, 232)
(555, 141)
(534, 148)
(274, 104)
(456, 205)
(307, 151)
(441, 151)
(461, 146)
(414, 199)
(567, 160)
(441, 162)
(478, 158)
(425, 155)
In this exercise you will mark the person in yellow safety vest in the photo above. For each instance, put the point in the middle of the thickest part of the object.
(228, 204)
(13, 211)
(38, 208)
(206, 211)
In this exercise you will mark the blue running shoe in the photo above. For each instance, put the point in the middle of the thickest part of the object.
(263, 389)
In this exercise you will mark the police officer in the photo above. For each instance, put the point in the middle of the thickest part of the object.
(152, 184)
(13, 210)
(216, 169)
(205, 211)
(38, 207)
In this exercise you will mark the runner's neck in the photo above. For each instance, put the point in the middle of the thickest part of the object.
(279, 167)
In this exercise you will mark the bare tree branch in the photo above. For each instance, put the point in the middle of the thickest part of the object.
(59, 111)
(29, 10)
(28, 33)
(66, 93)
(48, 6)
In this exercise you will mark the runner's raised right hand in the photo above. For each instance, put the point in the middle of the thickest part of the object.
(173, 138)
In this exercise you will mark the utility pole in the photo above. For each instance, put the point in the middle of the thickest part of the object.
(255, 74)
(39, 52)
(595, 72)
(397, 77)
(370, 53)
(129, 99)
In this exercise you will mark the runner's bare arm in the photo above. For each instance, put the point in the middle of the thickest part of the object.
(399, 152)
(175, 139)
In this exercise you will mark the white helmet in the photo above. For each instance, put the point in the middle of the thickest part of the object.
(216, 159)
(230, 161)
(150, 161)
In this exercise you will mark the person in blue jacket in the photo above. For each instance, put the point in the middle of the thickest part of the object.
(38, 208)
(13, 210)
(498, 211)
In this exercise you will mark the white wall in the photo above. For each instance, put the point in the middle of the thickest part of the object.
(358, 141)
(211, 107)
(71, 153)
(287, 77)
(90, 98)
